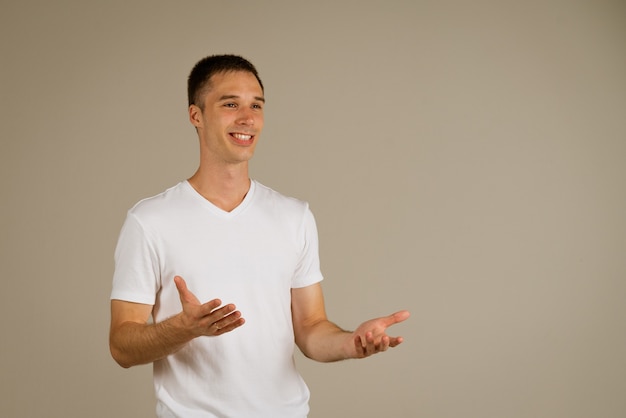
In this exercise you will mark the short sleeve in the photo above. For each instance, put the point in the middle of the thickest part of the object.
(308, 271)
(136, 277)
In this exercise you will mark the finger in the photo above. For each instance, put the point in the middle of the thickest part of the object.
(209, 309)
(217, 314)
(358, 347)
(394, 342)
(384, 343)
(370, 347)
(228, 323)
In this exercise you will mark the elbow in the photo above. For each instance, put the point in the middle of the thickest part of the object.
(304, 350)
(309, 347)
(119, 355)
(119, 358)
(302, 342)
(122, 363)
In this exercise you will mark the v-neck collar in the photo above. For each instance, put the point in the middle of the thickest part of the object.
(219, 211)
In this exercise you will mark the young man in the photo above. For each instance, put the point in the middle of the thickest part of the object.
(221, 235)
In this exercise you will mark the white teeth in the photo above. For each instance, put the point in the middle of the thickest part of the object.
(243, 137)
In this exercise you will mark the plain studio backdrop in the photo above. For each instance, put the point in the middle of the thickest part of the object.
(464, 160)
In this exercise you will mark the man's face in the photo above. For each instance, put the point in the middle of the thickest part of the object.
(232, 119)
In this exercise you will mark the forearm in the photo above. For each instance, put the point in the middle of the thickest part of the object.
(325, 342)
(134, 343)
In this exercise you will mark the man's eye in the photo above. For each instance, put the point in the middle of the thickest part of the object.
(257, 106)
(230, 105)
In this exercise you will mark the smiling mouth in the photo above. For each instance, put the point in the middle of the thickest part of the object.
(242, 137)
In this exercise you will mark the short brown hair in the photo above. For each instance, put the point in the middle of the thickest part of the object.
(207, 67)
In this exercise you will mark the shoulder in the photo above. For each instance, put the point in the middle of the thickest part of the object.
(161, 204)
(278, 201)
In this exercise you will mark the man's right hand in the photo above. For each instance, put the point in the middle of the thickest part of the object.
(208, 319)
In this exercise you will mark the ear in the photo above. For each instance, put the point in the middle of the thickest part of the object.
(195, 116)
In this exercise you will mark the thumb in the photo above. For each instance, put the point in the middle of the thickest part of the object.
(397, 317)
(185, 294)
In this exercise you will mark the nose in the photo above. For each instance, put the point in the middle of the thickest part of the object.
(246, 117)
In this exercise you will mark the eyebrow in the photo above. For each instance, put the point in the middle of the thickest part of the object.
(234, 96)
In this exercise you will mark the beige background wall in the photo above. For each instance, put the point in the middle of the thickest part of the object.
(465, 160)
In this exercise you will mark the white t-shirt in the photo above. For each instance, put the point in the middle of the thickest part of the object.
(252, 257)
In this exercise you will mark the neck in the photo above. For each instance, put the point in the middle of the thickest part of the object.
(225, 188)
